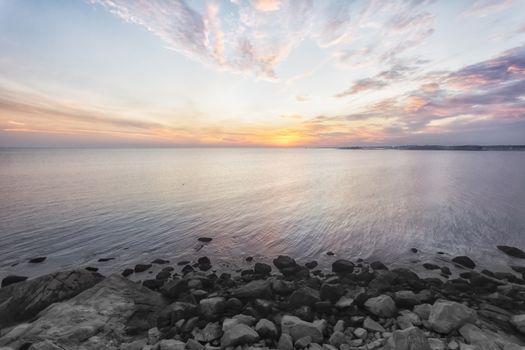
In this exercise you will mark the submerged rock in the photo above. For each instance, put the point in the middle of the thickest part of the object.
(22, 301)
(37, 260)
(205, 239)
(464, 261)
(283, 261)
(142, 267)
(512, 251)
(12, 279)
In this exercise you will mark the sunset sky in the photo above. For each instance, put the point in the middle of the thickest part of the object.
(261, 72)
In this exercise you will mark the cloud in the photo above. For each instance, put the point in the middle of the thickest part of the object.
(267, 5)
(302, 98)
(362, 85)
(482, 8)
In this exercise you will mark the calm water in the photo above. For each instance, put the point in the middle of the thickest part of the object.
(78, 205)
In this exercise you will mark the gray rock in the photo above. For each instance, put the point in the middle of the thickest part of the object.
(192, 344)
(171, 344)
(337, 339)
(475, 336)
(281, 287)
(285, 342)
(446, 316)
(99, 317)
(283, 261)
(518, 321)
(342, 266)
(211, 331)
(303, 342)
(43, 345)
(411, 338)
(360, 333)
(436, 344)
(266, 329)
(239, 334)
(255, 289)
(22, 301)
(153, 336)
(406, 298)
(344, 302)
(298, 328)
(513, 347)
(339, 326)
(212, 308)
(382, 306)
(303, 296)
(423, 311)
(372, 325)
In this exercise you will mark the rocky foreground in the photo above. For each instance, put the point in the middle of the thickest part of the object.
(286, 306)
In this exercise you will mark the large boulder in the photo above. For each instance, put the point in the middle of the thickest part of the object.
(304, 296)
(382, 306)
(22, 301)
(446, 316)
(239, 334)
(283, 261)
(212, 308)
(518, 321)
(101, 317)
(297, 329)
(475, 336)
(256, 289)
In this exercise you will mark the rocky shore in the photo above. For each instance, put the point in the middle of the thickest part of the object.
(356, 305)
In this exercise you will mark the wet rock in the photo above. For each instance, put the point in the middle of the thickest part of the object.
(11, 279)
(183, 262)
(378, 265)
(406, 299)
(518, 269)
(204, 263)
(205, 239)
(311, 264)
(160, 261)
(329, 253)
(464, 261)
(266, 329)
(446, 316)
(142, 267)
(127, 272)
(163, 275)
(233, 306)
(187, 269)
(430, 266)
(239, 334)
(342, 266)
(411, 338)
(413, 250)
(153, 284)
(262, 269)
(446, 270)
(92, 269)
(174, 288)
(512, 251)
(105, 259)
(283, 261)
(24, 300)
(212, 308)
(249, 259)
(37, 260)
(255, 289)
(518, 321)
(108, 311)
(382, 306)
(281, 287)
(297, 328)
(303, 296)
(331, 291)
(372, 325)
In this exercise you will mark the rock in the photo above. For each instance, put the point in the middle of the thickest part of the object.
(378, 265)
(513, 347)
(153, 336)
(331, 291)
(512, 251)
(209, 333)
(266, 329)
(239, 334)
(361, 333)
(22, 301)
(303, 296)
(446, 270)
(411, 338)
(518, 321)
(174, 288)
(339, 326)
(311, 265)
(105, 259)
(192, 344)
(92, 269)
(305, 313)
(37, 260)
(205, 239)
(372, 325)
(163, 275)
(518, 269)
(255, 289)
(106, 313)
(160, 261)
(344, 302)
(285, 342)
(153, 284)
(337, 339)
(297, 328)
(303, 342)
(474, 336)
(262, 269)
(423, 311)
(212, 308)
(436, 344)
(464, 261)
(171, 344)
(413, 250)
(430, 266)
(406, 299)
(142, 267)
(127, 272)
(282, 287)
(330, 253)
(342, 266)
(446, 316)
(11, 279)
(283, 261)
(382, 306)
(233, 306)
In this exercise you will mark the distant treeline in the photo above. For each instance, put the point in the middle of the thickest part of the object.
(444, 148)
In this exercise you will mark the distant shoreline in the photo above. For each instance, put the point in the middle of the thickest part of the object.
(440, 148)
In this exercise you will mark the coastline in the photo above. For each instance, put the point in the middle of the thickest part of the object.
(285, 305)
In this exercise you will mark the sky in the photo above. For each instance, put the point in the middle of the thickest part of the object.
(300, 73)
